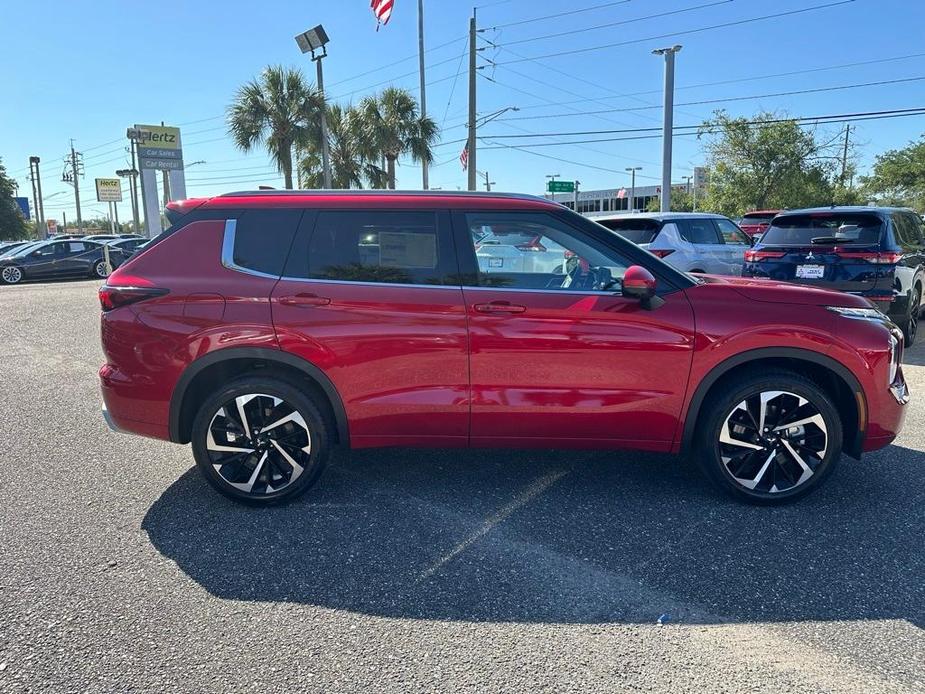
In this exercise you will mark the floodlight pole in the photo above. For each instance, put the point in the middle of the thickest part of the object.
(471, 144)
(632, 201)
(424, 181)
(325, 154)
(667, 124)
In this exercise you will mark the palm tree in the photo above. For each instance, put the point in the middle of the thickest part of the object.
(350, 167)
(393, 127)
(279, 110)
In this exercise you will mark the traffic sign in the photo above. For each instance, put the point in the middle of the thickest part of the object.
(560, 187)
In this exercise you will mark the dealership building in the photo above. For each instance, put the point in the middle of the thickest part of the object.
(618, 199)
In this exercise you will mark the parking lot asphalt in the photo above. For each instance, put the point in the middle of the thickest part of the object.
(482, 571)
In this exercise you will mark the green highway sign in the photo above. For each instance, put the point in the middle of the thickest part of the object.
(560, 187)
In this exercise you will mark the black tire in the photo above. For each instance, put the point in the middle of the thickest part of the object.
(910, 326)
(747, 455)
(11, 275)
(241, 466)
(100, 270)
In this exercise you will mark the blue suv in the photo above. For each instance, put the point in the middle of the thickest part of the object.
(875, 252)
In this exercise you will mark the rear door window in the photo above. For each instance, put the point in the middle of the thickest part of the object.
(262, 238)
(731, 233)
(635, 230)
(699, 231)
(831, 227)
(387, 246)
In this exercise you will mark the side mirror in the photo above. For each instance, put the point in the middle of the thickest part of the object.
(639, 283)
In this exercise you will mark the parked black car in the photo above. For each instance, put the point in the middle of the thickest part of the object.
(59, 259)
(128, 245)
(876, 252)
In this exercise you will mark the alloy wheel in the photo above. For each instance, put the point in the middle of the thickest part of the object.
(12, 275)
(102, 270)
(773, 441)
(913, 326)
(258, 444)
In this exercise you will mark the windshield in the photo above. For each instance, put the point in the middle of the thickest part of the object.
(801, 229)
(22, 250)
(635, 230)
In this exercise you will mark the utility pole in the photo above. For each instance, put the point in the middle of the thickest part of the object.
(632, 201)
(421, 66)
(72, 176)
(575, 195)
(39, 204)
(35, 197)
(471, 143)
(667, 124)
(488, 183)
(844, 156)
(115, 209)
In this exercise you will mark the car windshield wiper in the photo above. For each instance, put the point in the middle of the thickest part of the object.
(833, 240)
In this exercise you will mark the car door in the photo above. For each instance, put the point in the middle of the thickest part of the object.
(735, 243)
(372, 297)
(708, 249)
(43, 261)
(563, 359)
(78, 258)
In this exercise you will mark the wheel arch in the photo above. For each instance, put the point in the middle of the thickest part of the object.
(829, 373)
(198, 379)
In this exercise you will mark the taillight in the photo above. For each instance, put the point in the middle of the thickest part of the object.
(752, 256)
(871, 256)
(533, 246)
(661, 253)
(113, 297)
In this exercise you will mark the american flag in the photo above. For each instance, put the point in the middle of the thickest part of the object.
(621, 193)
(383, 11)
(464, 157)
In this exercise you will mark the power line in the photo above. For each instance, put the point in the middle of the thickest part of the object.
(723, 100)
(619, 23)
(558, 14)
(724, 25)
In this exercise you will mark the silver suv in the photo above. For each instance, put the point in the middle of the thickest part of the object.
(689, 241)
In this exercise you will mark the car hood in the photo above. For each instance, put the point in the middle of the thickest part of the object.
(771, 291)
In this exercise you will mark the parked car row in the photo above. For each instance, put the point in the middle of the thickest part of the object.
(55, 258)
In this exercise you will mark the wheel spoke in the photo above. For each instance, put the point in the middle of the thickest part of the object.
(213, 446)
(296, 468)
(293, 416)
(752, 483)
(814, 419)
(726, 437)
(249, 485)
(807, 470)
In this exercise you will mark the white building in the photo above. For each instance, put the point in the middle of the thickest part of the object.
(612, 199)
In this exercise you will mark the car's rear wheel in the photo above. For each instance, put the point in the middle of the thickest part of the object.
(11, 275)
(260, 440)
(769, 438)
(910, 326)
(101, 269)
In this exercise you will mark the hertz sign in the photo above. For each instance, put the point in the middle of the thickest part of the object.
(158, 147)
(108, 190)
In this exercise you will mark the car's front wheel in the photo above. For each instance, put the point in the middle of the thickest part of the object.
(260, 440)
(11, 275)
(769, 438)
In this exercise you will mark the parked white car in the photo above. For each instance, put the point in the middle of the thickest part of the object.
(518, 249)
(688, 241)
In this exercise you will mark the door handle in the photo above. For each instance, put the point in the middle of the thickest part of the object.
(303, 300)
(500, 307)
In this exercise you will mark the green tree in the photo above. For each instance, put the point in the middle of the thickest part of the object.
(392, 127)
(350, 165)
(12, 224)
(279, 110)
(767, 162)
(898, 177)
(681, 201)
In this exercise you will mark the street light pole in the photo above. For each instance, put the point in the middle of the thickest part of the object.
(551, 177)
(667, 124)
(424, 181)
(632, 201)
(310, 41)
(470, 144)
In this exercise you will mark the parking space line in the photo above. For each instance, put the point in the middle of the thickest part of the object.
(529, 493)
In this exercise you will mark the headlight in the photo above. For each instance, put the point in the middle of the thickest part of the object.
(862, 313)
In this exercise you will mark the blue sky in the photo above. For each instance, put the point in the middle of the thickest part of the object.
(87, 71)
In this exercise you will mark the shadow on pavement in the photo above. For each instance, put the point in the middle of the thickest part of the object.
(560, 537)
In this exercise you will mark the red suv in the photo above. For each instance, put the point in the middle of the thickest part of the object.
(757, 222)
(267, 328)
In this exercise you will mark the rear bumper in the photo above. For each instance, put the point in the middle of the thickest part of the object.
(124, 408)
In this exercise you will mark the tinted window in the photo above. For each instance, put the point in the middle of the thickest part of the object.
(757, 218)
(731, 233)
(557, 257)
(395, 247)
(49, 250)
(75, 247)
(635, 230)
(262, 239)
(801, 229)
(916, 225)
(699, 231)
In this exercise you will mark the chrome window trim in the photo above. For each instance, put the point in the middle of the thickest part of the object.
(228, 253)
(316, 280)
